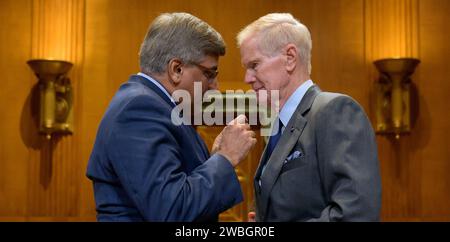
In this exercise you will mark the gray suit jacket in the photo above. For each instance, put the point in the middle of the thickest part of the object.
(324, 167)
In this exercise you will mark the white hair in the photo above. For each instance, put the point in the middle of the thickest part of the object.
(276, 30)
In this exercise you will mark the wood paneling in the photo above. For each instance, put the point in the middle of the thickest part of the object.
(46, 181)
(434, 86)
(42, 178)
(15, 36)
(414, 169)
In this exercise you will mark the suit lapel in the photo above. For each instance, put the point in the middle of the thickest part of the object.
(261, 163)
(288, 140)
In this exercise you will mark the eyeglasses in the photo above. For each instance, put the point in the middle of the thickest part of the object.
(209, 73)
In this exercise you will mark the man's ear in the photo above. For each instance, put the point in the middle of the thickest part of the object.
(291, 53)
(175, 70)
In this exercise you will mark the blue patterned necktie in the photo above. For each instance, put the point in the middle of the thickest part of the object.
(271, 146)
(274, 140)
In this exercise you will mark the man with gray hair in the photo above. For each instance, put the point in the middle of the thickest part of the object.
(146, 168)
(321, 164)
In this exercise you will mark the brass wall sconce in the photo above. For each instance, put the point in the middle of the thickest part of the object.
(55, 98)
(393, 95)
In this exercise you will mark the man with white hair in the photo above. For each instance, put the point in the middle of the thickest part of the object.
(321, 164)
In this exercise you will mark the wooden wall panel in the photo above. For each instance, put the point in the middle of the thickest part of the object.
(41, 181)
(414, 168)
(337, 31)
(46, 175)
(433, 84)
(15, 35)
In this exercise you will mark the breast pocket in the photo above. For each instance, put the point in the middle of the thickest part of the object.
(293, 164)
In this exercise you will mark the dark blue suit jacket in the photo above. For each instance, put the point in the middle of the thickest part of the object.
(145, 168)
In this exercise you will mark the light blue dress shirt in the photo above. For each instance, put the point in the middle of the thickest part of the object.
(292, 103)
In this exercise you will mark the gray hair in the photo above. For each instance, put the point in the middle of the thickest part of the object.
(178, 35)
(275, 31)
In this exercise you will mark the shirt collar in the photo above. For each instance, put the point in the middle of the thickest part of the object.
(157, 84)
(293, 101)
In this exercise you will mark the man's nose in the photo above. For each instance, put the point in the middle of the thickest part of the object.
(249, 77)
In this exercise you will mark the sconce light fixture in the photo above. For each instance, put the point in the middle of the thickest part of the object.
(393, 95)
(55, 98)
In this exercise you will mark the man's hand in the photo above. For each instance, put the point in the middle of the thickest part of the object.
(235, 140)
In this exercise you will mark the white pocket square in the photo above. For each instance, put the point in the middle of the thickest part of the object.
(292, 156)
